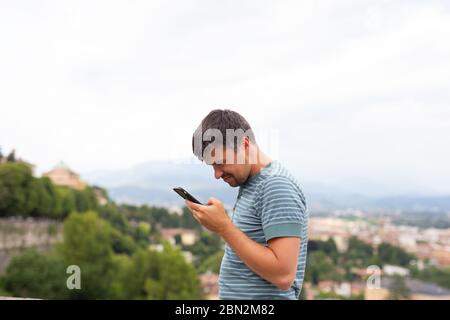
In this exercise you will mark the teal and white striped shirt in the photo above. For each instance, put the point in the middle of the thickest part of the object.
(269, 205)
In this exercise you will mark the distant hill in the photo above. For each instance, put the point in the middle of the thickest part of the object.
(152, 183)
(416, 203)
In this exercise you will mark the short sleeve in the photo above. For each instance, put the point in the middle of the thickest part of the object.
(282, 208)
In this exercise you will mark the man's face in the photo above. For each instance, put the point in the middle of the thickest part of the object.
(232, 173)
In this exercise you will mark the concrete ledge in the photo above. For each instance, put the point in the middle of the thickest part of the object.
(16, 298)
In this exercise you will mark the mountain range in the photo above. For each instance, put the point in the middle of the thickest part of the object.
(152, 183)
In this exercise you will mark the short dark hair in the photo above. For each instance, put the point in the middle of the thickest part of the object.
(220, 120)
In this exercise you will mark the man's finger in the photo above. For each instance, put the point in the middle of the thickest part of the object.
(193, 205)
(194, 213)
(214, 202)
(195, 217)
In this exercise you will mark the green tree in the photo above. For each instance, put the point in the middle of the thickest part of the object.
(88, 244)
(328, 246)
(122, 243)
(16, 183)
(3, 292)
(389, 254)
(122, 275)
(85, 200)
(212, 263)
(11, 156)
(439, 276)
(43, 194)
(142, 232)
(144, 265)
(36, 275)
(360, 253)
(208, 244)
(65, 202)
(21, 194)
(159, 275)
(319, 267)
(115, 216)
(175, 278)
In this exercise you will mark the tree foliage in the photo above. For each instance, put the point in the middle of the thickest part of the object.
(112, 266)
(21, 194)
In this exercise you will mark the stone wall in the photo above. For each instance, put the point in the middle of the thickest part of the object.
(17, 234)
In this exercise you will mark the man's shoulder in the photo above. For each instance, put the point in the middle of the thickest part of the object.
(278, 177)
(279, 181)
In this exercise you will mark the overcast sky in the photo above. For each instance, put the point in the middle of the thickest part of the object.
(352, 93)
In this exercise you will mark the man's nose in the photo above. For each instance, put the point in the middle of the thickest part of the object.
(217, 173)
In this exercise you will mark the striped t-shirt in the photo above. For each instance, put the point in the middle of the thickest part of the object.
(269, 205)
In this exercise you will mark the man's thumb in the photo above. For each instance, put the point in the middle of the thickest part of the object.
(212, 201)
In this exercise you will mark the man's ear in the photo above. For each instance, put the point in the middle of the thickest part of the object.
(250, 147)
(246, 146)
(246, 143)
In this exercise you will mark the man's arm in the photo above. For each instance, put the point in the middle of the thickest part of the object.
(276, 263)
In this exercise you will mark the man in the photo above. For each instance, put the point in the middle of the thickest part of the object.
(266, 235)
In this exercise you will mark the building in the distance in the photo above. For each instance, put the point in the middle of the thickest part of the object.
(187, 236)
(62, 175)
(418, 290)
(210, 285)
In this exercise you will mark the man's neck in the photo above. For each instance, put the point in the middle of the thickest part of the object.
(262, 161)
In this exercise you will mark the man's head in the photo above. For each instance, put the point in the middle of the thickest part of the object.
(225, 140)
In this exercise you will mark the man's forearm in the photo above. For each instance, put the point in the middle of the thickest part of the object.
(260, 259)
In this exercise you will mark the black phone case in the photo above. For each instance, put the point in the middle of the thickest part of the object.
(186, 195)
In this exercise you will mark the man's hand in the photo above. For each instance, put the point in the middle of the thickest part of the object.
(212, 216)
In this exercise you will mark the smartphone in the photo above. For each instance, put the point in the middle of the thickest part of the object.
(186, 195)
